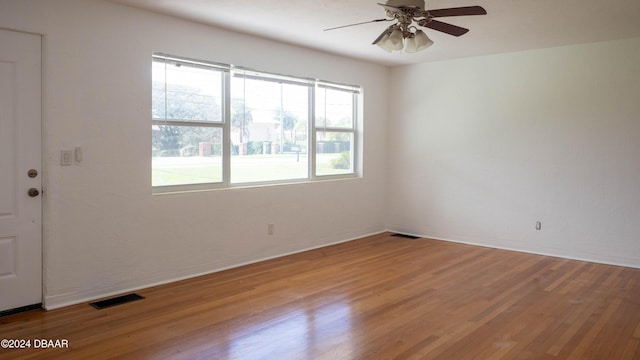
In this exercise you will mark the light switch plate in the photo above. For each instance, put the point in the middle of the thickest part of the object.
(66, 157)
(78, 154)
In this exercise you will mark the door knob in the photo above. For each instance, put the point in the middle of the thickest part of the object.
(33, 192)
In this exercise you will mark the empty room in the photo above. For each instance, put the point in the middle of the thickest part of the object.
(217, 179)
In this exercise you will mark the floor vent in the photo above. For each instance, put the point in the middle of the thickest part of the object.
(406, 236)
(20, 310)
(116, 301)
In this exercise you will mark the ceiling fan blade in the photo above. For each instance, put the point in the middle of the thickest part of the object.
(446, 28)
(385, 32)
(458, 11)
(365, 22)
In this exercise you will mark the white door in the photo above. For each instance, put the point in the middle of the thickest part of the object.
(20, 171)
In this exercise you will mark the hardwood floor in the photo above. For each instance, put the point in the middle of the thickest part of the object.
(379, 297)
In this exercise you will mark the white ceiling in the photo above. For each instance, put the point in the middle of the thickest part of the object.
(511, 25)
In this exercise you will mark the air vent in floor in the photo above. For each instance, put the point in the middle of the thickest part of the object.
(116, 301)
(406, 236)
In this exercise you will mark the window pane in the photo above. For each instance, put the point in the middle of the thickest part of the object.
(183, 92)
(269, 130)
(158, 93)
(334, 108)
(186, 155)
(334, 153)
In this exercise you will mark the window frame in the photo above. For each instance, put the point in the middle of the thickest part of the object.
(355, 109)
(229, 71)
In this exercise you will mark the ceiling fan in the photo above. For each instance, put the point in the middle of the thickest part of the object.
(405, 35)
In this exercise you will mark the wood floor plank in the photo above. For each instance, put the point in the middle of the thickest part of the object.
(379, 297)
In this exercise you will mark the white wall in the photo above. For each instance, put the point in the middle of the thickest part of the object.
(482, 148)
(104, 231)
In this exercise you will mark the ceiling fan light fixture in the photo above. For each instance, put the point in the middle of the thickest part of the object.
(390, 40)
(395, 40)
(421, 40)
(383, 43)
(410, 45)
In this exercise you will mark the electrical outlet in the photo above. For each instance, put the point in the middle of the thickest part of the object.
(270, 229)
(538, 225)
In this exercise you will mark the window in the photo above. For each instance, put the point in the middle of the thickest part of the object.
(269, 128)
(218, 126)
(188, 123)
(334, 130)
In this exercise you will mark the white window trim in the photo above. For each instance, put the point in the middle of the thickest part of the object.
(313, 84)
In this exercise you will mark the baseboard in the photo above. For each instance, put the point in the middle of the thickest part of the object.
(631, 263)
(73, 298)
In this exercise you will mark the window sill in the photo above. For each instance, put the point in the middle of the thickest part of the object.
(186, 189)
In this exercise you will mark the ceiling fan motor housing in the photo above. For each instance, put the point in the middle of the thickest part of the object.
(406, 3)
